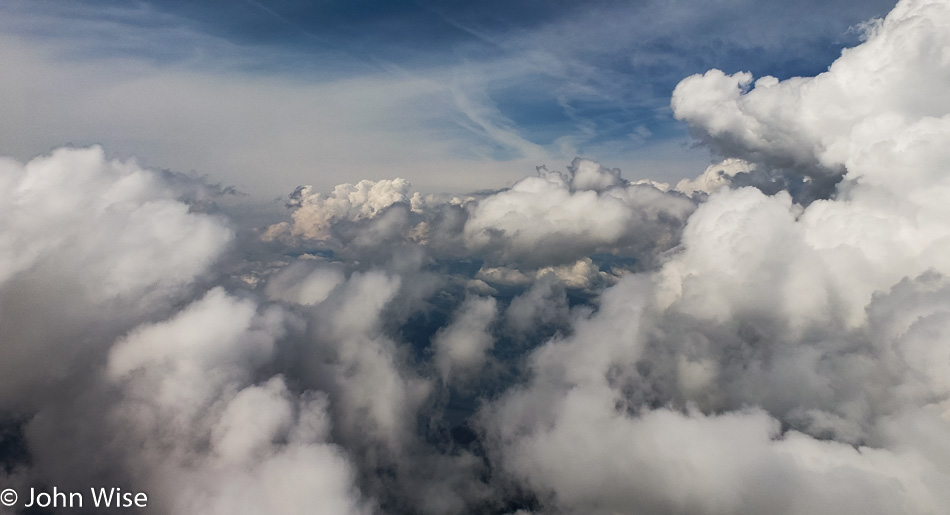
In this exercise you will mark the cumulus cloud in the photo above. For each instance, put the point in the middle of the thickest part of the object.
(556, 218)
(74, 206)
(315, 213)
(87, 247)
(461, 346)
(583, 274)
(651, 411)
(552, 219)
(306, 281)
(768, 337)
(715, 177)
(774, 304)
(94, 250)
(813, 126)
(543, 304)
(209, 440)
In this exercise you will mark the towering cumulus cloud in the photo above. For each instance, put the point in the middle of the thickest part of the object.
(770, 337)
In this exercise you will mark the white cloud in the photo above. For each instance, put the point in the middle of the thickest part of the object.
(461, 347)
(306, 281)
(824, 121)
(315, 214)
(78, 214)
(557, 218)
(187, 384)
(553, 219)
(716, 177)
(769, 355)
(827, 317)
(88, 246)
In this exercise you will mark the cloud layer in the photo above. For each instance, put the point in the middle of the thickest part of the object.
(771, 336)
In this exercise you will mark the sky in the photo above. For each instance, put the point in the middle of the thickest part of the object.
(453, 96)
(499, 258)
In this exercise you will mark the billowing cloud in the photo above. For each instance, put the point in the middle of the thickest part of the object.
(315, 213)
(814, 126)
(716, 177)
(88, 246)
(550, 219)
(771, 336)
(66, 211)
(461, 347)
(556, 218)
(206, 438)
(814, 313)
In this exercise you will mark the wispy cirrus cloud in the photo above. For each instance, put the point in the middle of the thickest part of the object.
(268, 93)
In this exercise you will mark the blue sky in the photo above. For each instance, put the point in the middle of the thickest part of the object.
(454, 96)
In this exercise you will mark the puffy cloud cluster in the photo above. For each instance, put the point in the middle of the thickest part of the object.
(889, 218)
(76, 216)
(575, 343)
(107, 382)
(552, 219)
(652, 411)
(815, 126)
(716, 177)
(86, 245)
(558, 218)
(207, 437)
(582, 274)
(815, 315)
(315, 213)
